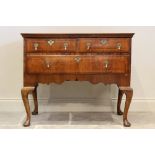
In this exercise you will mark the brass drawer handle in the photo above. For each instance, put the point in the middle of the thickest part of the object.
(65, 46)
(77, 59)
(119, 46)
(48, 63)
(36, 46)
(88, 46)
(106, 64)
(50, 42)
(104, 41)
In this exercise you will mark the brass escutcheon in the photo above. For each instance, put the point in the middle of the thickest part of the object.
(104, 41)
(77, 59)
(51, 42)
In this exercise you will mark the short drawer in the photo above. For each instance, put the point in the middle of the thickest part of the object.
(53, 64)
(104, 45)
(70, 64)
(103, 64)
(50, 45)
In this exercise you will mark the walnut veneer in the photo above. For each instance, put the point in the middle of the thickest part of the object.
(55, 58)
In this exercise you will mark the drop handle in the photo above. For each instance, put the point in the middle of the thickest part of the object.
(88, 46)
(36, 46)
(47, 64)
(65, 46)
(119, 46)
(106, 64)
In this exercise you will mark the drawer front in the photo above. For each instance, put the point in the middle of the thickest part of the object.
(103, 64)
(77, 64)
(104, 44)
(50, 64)
(50, 45)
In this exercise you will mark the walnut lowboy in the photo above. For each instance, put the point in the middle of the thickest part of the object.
(95, 58)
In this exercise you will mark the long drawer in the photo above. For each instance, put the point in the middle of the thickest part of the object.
(71, 64)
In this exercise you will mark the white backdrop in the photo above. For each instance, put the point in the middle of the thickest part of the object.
(143, 68)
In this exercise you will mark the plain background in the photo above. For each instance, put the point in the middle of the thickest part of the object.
(142, 76)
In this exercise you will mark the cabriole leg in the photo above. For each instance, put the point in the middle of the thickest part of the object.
(129, 93)
(25, 92)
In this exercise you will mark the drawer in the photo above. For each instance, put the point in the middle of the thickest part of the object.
(103, 64)
(50, 45)
(50, 64)
(84, 64)
(104, 45)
